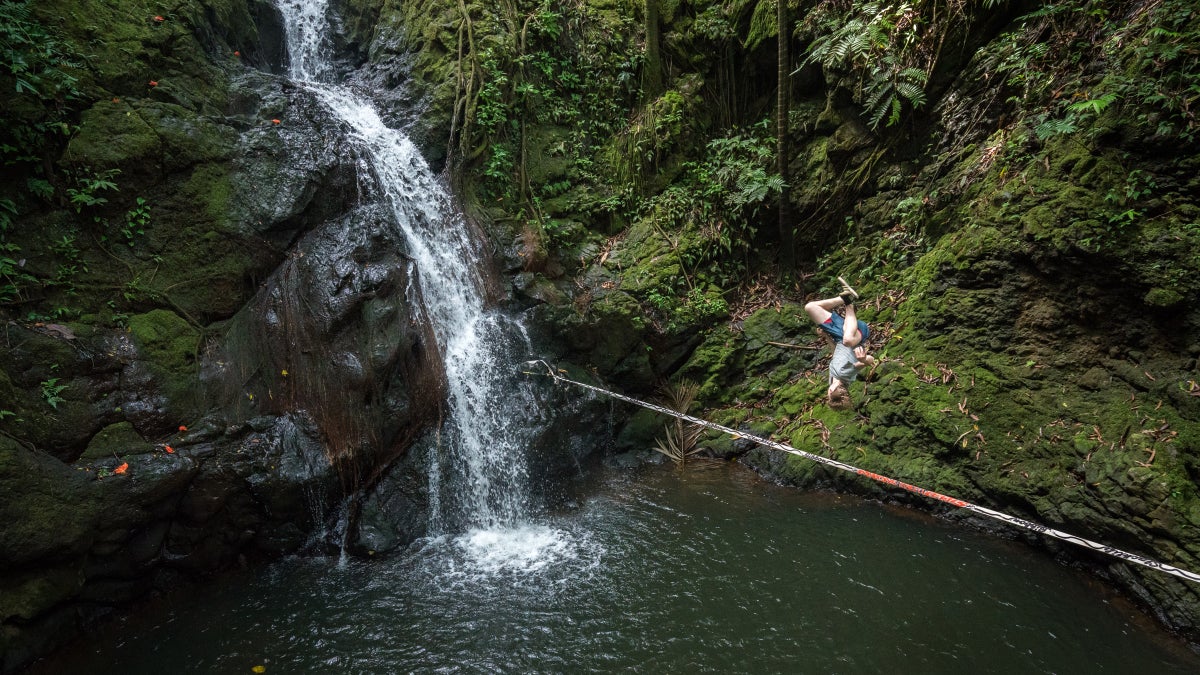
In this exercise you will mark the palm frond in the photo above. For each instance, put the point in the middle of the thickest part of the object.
(679, 437)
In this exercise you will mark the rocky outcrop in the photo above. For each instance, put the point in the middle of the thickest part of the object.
(130, 518)
(205, 358)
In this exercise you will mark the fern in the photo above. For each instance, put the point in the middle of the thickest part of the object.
(911, 91)
(1053, 127)
(1094, 106)
(853, 41)
(870, 43)
(886, 94)
(879, 97)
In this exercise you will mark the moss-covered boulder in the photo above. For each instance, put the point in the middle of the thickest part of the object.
(116, 440)
(55, 519)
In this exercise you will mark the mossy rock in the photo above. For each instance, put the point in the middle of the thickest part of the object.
(537, 287)
(205, 261)
(715, 365)
(112, 136)
(169, 345)
(56, 514)
(127, 48)
(116, 440)
(1163, 297)
(784, 324)
(26, 596)
(168, 342)
(140, 136)
(549, 160)
(642, 431)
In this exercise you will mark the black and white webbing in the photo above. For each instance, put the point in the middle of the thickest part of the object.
(991, 513)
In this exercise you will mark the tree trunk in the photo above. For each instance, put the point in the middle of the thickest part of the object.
(786, 243)
(652, 79)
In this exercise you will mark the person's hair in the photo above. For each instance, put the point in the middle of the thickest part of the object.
(839, 397)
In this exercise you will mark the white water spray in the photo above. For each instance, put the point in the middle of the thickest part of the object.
(308, 43)
(479, 475)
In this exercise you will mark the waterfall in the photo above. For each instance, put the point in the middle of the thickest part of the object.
(478, 474)
(309, 47)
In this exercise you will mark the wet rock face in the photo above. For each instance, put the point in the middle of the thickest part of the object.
(338, 331)
(272, 355)
(106, 530)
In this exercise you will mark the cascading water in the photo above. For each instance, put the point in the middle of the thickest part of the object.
(478, 475)
(308, 43)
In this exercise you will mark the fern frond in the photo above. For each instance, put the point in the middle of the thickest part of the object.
(895, 117)
(876, 91)
(877, 112)
(1051, 128)
(914, 75)
(914, 93)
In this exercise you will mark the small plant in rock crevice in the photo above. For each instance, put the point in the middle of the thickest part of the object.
(136, 221)
(51, 391)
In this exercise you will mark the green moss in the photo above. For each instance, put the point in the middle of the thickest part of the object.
(729, 417)
(166, 340)
(210, 185)
(187, 138)
(114, 135)
(127, 48)
(713, 366)
(27, 596)
(549, 160)
(116, 440)
(1163, 297)
(169, 344)
(205, 261)
(55, 515)
(794, 398)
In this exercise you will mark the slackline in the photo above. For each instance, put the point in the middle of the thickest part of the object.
(982, 510)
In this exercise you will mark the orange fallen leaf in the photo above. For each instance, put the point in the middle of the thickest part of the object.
(153, 83)
(159, 19)
(169, 449)
(182, 428)
(122, 469)
(274, 121)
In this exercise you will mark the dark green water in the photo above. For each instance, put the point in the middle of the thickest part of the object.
(708, 569)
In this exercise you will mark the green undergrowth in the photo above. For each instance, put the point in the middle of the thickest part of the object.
(112, 99)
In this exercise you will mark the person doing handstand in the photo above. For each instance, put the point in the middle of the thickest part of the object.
(849, 335)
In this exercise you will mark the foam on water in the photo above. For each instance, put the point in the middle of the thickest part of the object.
(522, 550)
(498, 561)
